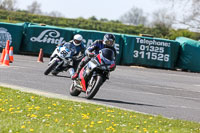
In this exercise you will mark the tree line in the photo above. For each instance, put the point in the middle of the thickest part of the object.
(133, 22)
(159, 31)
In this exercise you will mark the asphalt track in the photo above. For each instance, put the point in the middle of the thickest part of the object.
(173, 94)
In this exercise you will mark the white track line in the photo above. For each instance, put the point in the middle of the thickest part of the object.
(64, 97)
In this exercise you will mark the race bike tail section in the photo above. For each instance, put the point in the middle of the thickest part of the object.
(94, 74)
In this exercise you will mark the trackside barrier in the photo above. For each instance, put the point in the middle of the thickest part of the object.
(45, 37)
(13, 33)
(189, 54)
(152, 52)
(131, 50)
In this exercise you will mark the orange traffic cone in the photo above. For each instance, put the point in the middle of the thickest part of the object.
(7, 45)
(2, 56)
(40, 57)
(6, 59)
(11, 55)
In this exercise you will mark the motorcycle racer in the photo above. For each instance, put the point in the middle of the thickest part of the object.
(107, 42)
(79, 49)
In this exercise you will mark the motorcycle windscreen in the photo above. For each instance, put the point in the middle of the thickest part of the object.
(71, 48)
(108, 54)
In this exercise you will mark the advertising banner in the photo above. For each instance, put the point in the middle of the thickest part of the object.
(151, 52)
(90, 36)
(13, 33)
(45, 37)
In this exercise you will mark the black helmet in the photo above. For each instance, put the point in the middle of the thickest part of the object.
(109, 40)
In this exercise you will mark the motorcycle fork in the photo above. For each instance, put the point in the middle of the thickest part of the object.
(91, 77)
(78, 84)
(94, 74)
(81, 85)
(89, 85)
(59, 66)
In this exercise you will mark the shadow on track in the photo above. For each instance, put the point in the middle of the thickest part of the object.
(62, 76)
(124, 102)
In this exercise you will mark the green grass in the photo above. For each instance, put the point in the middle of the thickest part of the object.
(24, 112)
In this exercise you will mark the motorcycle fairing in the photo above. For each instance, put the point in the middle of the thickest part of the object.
(112, 65)
(53, 60)
(104, 62)
(64, 52)
(99, 58)
(100, 62)
(85, 74)
(82, 83)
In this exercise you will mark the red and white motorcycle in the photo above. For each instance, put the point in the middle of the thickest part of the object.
(94, 74)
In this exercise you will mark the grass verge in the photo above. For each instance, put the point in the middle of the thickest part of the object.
(25, 112)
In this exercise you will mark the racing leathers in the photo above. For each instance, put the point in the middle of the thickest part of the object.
(90, 52)
(78, 54)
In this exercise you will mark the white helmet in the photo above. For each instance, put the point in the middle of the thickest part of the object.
(77, 39)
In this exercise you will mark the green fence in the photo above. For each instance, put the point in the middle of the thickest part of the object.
(151, 52)
(45, 37)
(131, 50)
(13, 33)
(189, 54)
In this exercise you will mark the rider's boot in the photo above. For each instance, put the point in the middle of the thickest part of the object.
(82, 63)
(75, 76)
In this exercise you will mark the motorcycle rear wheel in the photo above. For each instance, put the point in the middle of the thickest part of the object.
(73, 90)
(50, 67)
(91, 92)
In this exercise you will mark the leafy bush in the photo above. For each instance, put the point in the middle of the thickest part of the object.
(107, 26)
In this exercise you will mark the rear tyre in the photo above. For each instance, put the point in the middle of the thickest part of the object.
(93, 88)
(73, 90)
(50, 67)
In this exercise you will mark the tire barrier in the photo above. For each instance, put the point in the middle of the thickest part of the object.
(189, 54)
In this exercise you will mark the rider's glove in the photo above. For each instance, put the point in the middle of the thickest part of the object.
(59, 45)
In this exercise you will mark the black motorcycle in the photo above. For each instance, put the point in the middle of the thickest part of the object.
(94, 74)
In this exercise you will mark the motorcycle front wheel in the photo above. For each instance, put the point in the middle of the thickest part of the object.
(93, 87)
(73, 90)
(51, 67)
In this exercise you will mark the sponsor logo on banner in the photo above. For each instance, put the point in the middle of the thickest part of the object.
(89, 42)
(153, 42)
(49, 36)
(153, 50)
(4, 36)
